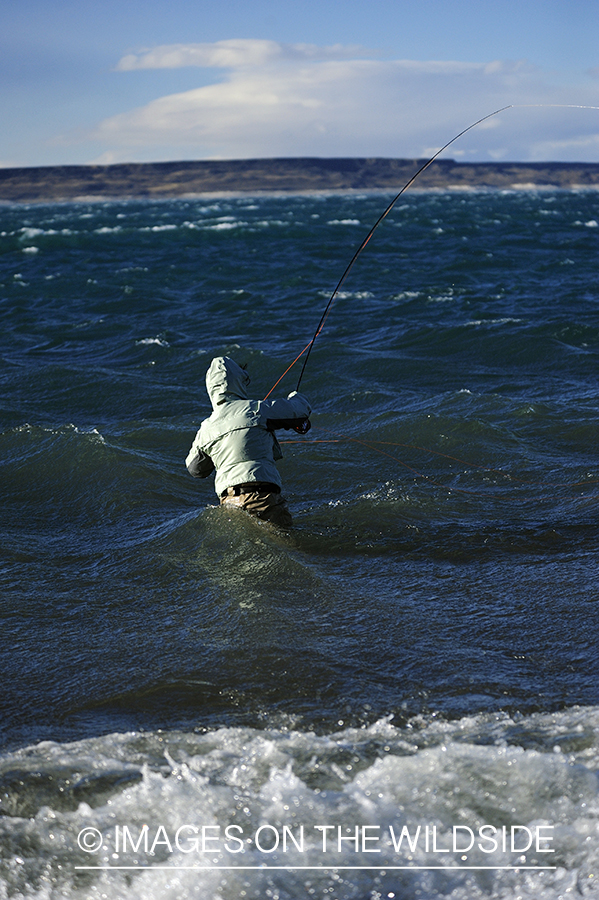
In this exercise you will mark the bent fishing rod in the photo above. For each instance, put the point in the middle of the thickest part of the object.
(308, 348)
(380, 219)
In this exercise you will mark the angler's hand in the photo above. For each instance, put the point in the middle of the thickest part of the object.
(303, 427)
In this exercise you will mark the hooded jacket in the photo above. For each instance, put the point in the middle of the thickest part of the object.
(238, 439)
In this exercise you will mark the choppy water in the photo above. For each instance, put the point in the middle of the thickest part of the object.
(420, 651)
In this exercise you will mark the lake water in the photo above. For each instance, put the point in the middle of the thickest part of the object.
(399, 698)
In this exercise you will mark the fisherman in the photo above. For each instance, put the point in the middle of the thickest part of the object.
(239, 442)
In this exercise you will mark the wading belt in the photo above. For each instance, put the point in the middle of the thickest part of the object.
(252, 487)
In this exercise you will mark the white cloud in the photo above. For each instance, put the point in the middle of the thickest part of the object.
(584, 147)
(230, 54)
(300, 100)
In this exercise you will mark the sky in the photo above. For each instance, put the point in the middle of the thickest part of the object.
(112, 81)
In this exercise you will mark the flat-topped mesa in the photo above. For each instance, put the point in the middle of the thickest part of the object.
(176, 179)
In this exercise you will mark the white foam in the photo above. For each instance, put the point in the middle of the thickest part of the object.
(501, 321)
(226, 223)
(537, 774)
(347, 295)
(157, 340)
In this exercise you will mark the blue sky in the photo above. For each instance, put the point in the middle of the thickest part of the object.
(125, 80)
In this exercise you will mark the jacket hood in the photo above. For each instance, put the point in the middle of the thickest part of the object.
(225, 380)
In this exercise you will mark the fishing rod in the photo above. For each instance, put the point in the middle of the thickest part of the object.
(308, 348)
(380, 219)
(348, 268)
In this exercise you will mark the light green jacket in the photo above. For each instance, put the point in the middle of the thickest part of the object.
(238, 439)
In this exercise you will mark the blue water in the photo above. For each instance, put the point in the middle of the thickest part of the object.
(420, 650)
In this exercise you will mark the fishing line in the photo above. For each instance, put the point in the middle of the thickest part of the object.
(370, 444)
(308, 348)
(473, 465)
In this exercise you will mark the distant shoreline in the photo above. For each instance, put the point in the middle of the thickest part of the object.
(165, 180)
